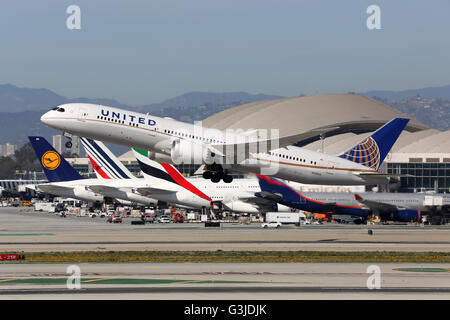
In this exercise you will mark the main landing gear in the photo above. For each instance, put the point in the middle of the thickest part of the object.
(69, 142)
(215, 173)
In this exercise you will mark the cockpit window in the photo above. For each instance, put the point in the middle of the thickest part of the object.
(60, 110)
(55, 108)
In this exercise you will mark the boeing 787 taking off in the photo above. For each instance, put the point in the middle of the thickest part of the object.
(222, 150)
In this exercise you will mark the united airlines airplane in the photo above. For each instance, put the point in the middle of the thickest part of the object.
(404, 207)
(221, 150)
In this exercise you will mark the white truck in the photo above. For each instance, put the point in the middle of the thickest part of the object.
(45, 206)
(296, 218)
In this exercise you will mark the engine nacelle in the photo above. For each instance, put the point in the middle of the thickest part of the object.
(240, 206)
(159, 157)
(187, 152)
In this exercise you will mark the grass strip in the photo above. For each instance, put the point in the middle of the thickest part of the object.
(234, 256)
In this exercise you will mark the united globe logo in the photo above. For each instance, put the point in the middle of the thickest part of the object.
(365, 153)
(51, 160)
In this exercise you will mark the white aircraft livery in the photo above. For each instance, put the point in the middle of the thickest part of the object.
(114, 180)
(221, 150)
(164, 182)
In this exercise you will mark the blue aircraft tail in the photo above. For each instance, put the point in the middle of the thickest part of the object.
(56, 168)
(372, 151)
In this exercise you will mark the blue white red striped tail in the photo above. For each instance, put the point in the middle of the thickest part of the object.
(106, 165)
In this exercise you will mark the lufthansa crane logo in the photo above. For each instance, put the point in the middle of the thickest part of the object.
(51, 160)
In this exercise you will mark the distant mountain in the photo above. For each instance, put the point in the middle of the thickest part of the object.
(208, 99)
(431, 92)
(16, 127)
(435, 113)
(21, 109)
(16, 99)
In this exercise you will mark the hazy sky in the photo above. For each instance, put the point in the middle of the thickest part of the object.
(141, 52)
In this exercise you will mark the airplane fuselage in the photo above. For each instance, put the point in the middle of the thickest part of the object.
(156, 134)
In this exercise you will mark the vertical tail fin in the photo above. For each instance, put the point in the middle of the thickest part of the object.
(104, 162)
(154, 170)
(55, 167)
(372, 151)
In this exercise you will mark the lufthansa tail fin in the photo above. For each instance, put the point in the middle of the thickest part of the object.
(104, 162)
(56, 168)
(372, 150)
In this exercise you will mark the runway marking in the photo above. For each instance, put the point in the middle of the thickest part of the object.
(118, 281)
(12, 279)
(94, 280)
(423, 269)
(191, 281)
(25, 234)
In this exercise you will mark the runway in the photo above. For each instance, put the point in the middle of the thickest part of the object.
(24, 230)
(206, 281)
(28, 231)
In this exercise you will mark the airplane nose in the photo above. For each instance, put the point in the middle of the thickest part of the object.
(44, 118)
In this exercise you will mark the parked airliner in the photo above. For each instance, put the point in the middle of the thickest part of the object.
(221, 150)
(165, 183)
(65, 181)
(404, 207)
(114, 180)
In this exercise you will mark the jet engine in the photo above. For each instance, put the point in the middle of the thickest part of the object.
(189, 152)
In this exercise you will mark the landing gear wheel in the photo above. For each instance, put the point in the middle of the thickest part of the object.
(216, 178)
(227, 179)
(216, 167)
(69, 144)
(207, 175)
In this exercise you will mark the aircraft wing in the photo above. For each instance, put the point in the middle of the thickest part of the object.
(263, 203)
(102, 188)
(268, 144)
(148, 191)
(381, 178)
(277, 198)
(269, 196)
(374, 205)
(51, 188)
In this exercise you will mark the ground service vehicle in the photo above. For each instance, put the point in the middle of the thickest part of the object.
(272, 224)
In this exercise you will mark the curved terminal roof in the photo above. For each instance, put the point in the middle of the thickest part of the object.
(343, 142)
(350, 112)
(434, 143)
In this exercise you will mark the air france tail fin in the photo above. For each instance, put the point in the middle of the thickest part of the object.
(104, 162)
(56, 168)
(372, 151)
(154, 172)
